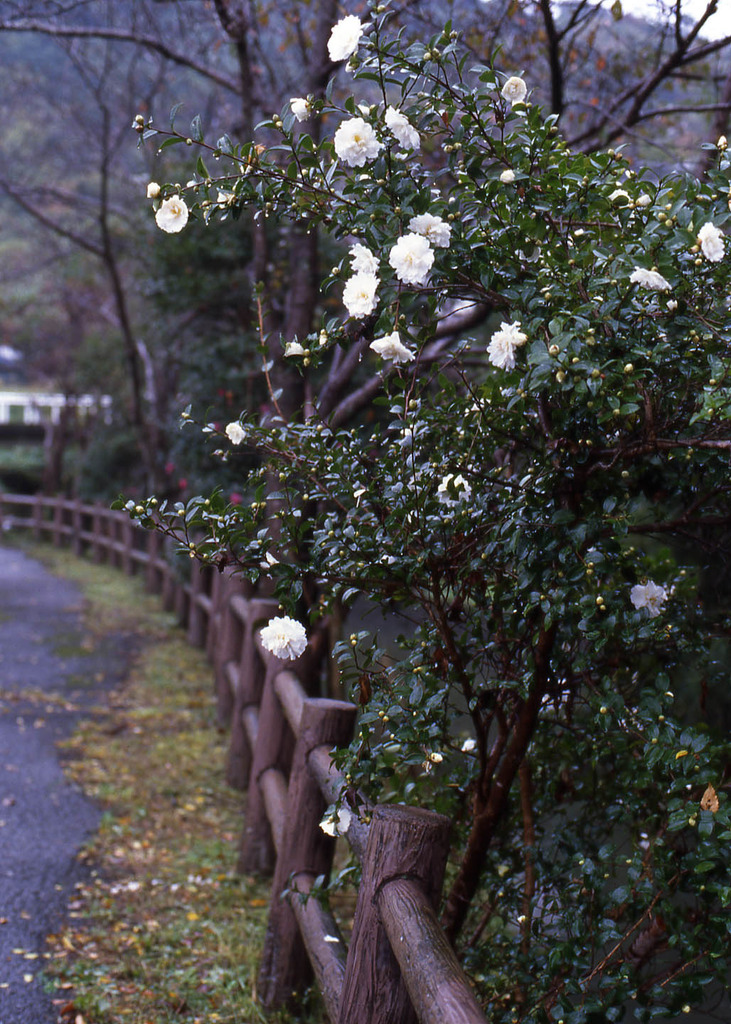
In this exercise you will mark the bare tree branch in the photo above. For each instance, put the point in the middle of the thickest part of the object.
(21, 200)
(451, 327)
(720, 125)
(123, 36)
(639, 92)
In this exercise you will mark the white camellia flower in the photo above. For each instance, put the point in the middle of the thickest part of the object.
(172, 215)
(355, 142)
(402, 130)
(672, 305)
(235, 433)
(336, 824)
(508, 176)
(344, 38)
(649, 279)
(431, 759)
(469, 745)
(153, 190)
(412, 258)
(293, 348)
(649, 596)
(710, 239)
(391, 347)
(359, 294)
(458, 484)
(514, 90)
(436, 231)
(643, 200)
(503, 343)
(619, 193)
(363, 260)
(300, 107)
(284, 637)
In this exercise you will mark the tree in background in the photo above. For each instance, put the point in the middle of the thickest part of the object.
(80, 209)
(522, 496)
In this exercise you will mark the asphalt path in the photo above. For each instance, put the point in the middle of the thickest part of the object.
(51, 674)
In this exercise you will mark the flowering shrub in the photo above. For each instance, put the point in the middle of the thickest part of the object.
(521, 497)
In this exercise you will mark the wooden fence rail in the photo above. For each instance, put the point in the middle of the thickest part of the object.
(398, 967)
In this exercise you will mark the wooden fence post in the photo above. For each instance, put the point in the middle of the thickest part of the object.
(403, 842)
(169, 588)
(218, 594)
(198, 619)
(38, 517)
(97, 530)
(228, 647)
(248, 692)
(113, 528)
(58, 522)
(274, 749)
(76, 528)
(285, 967)
(152, 573)
(127, 540)
(181, 596)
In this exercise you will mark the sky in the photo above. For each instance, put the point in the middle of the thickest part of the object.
(717, 27)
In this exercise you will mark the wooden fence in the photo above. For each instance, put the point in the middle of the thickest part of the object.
(398, 967)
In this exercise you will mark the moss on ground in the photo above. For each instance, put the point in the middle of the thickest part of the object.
(164, 930)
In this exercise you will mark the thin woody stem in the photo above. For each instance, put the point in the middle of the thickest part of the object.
(265, 367)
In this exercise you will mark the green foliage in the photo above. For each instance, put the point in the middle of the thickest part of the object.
(209, 360)
(523, 508)
(109, 461)
(21, 468)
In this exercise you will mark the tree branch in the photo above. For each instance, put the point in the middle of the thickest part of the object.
(489, 814)
(639, 92)
(122, 36)
(449, 328)
(48, 222)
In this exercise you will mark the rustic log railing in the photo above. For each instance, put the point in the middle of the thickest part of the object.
(398, 967)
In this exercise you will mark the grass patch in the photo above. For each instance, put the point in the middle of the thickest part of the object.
(164, 930)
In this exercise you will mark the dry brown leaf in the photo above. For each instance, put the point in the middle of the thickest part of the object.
(709, 800)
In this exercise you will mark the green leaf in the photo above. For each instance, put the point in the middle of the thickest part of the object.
(225, 145)
(196, 129)
(173, 115)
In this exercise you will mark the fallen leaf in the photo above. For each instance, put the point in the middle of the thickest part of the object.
(709, 800)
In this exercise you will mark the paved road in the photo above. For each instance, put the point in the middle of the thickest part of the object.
(50, 674)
